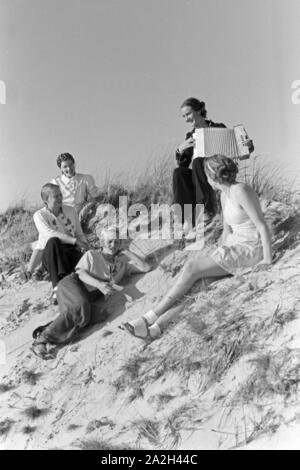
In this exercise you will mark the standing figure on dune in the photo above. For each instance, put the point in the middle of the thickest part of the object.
(245, 243)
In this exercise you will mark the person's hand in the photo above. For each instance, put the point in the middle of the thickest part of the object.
(106, 290)
(116, 287)
(190, 142)
(250, 145)
(127, 296)
(83, 246)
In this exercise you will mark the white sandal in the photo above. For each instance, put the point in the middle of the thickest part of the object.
(140, 328)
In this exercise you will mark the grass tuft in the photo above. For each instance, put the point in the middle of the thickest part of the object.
(30, 377)
(5, 426)
(29, 429)
(100, 444)
(149, 430)
(73, 427)
(98, 423)
(277, 373)
(6, 387)
(33, 412)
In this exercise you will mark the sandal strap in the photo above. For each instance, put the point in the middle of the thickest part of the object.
(132, 329)
(150, 317)
(154, 331)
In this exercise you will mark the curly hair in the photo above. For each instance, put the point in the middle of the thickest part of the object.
(64, 157)
(221, 169)
(196, 105)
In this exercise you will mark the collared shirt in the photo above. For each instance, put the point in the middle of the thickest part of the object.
(65, 226)
(76, 190)
(101, 268)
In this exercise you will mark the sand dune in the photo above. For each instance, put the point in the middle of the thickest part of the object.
(224, 375)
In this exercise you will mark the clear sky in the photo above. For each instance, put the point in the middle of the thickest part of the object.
(104, 80)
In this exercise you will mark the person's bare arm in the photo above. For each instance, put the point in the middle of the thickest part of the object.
(81, 240)
(137, 264)
(103, 286)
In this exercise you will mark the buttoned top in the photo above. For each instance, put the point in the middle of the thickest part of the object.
(65, 226)
(76, 190)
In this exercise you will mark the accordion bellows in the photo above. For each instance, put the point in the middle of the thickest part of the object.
(230, 142)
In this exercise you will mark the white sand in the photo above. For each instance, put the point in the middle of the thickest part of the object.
(87, 396)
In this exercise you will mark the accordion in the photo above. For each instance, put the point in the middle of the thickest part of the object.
(229, 142)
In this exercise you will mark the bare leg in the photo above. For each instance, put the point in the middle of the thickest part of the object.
(199, 268)
(165, 318)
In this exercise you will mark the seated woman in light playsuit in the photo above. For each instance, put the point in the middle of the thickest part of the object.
(245, 243)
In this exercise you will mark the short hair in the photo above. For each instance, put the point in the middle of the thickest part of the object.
(196, 105)
(47, 189)
(63, 157)
(107, 232)
(221, 169)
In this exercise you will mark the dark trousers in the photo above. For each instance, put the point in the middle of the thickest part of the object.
(204, 193)
(59, 259)
(184, 190)
(190, 186)
(75, 305)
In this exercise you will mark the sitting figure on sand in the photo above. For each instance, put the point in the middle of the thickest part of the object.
(245, 243)
(190, 185)
(77, 189)
(61, 239)
(96, 275)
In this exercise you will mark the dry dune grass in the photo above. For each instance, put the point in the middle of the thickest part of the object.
(29, 429)
(277, 373)
(222, 323)
(6, 387)
(5, 426)
(223, 365)
(33, 412)
(99, 444)
(208, 337)
(17, 231)
(151, 185)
